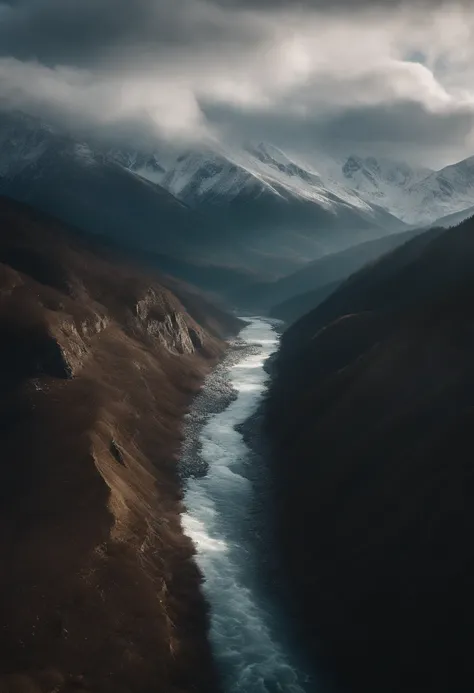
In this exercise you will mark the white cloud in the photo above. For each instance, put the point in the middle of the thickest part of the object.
(263, 71)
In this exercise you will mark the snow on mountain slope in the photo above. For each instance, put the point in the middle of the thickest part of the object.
(278, 207)
(445, 192)
(300, 179)
(196, 177)
(370, 173)
(256, 209)
(145, 165)
(384, 182)
(414, 194)
(220, 176)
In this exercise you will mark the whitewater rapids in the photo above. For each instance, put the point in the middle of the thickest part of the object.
(220, 501)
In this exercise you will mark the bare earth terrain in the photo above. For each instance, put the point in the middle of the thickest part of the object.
(98, 364)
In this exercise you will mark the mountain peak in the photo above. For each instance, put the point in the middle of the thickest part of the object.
(415, 194)
(352, 165)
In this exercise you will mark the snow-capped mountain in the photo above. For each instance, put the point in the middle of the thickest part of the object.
(445, 192)
(196, 177)
(367, 174)
(363, 186)
(414, 194)
(383, 182)
(220, 176)
(146, 165)
(254, 207)
(263, 193)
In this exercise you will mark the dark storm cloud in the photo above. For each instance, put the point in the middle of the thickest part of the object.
(406, 128)
(332, 6)
(83, 32)
(406, 121)
(246, 68)
(80, 32)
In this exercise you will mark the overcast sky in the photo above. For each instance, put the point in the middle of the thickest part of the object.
(372, 76)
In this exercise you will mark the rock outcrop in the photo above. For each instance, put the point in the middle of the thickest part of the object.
(98, 588)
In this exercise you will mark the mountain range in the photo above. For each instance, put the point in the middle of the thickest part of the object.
(252, 210)
(256, 210)
(416, 195)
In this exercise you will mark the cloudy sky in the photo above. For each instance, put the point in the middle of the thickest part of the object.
(346, 76)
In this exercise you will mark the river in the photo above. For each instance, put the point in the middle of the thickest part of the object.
(248, 637)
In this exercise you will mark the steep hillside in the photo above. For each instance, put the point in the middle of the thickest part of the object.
(370, 417)
(98, 362)
(295, 307)
(455, 219)
(280, 232)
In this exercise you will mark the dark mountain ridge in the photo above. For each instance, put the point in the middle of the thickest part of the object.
(369, 414)
(324, 275)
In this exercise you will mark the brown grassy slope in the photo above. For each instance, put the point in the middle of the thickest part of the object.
(371, 415)
(98, 590)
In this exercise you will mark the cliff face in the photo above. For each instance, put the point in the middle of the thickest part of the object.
(98, 589)
(370, 415)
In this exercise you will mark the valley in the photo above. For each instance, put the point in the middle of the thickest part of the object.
(253, 209)
(199, 502)
(226, 512)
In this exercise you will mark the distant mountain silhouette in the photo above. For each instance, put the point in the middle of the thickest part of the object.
(318, 278)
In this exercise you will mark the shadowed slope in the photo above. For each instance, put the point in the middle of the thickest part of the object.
(317, 276)
(370, 415)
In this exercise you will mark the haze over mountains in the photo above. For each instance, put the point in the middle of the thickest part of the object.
(416, 195)
(253, 209)
(294, 295)
(232, 216)
(101, 195)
